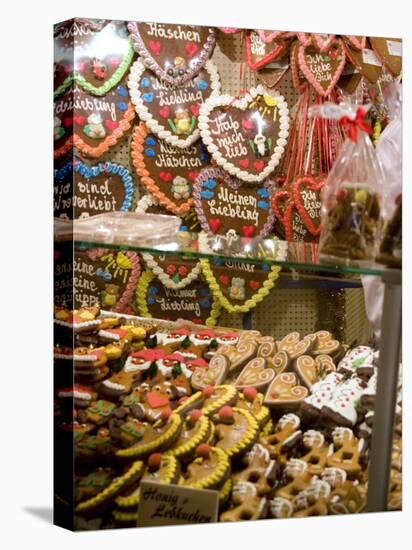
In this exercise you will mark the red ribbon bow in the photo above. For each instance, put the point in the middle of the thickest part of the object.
(351, 125)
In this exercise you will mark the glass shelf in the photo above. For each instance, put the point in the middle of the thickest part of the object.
(294, 257)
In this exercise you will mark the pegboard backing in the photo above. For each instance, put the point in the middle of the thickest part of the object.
(284, 310)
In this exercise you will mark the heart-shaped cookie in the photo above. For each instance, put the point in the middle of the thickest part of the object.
(322, 69)
(294, 346)
(285, 392)
(193, 303)
(255, 374)
(101, 53)
(171, 112)
(239, 286)
(297, 207)
(389, 51)
(97, 122)
(366, 62)
(229, 207)
(323, 41)
(268, 36)
(105, 277)
(238, 355)
(173, 271)
(259, 53)
(175, 53)
(246, 136)
(105, 187)
(311, 370)
(214, 375)
(325, 344)
(279, 362)
(168, 172)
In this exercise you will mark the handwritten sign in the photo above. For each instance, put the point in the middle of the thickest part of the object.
(174, 505)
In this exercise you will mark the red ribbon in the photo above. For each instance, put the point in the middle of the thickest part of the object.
(351, 125)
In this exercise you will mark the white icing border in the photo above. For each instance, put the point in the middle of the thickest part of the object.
(165, 278)
(136, 71)
(225, 100)
(145, 202)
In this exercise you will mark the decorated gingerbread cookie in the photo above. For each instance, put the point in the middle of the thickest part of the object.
(175, 53)
(230, 208)
(171, 112)
(311, 370)
(173, 271)
(105, 277)
(238, 285)
(246, 136)
(285, 392)
(209, 470)
(248, 505)
(168, 172)
(389, 51)
(260, 52)
(101, 51)
(236, 430)
(256, 374)
(285, 436)
(365, 60)
(196, 429)
(260, 470)
(194, 302)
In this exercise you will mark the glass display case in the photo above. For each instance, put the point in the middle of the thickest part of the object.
(204, 351)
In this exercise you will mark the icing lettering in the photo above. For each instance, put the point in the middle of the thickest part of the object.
(158, 30)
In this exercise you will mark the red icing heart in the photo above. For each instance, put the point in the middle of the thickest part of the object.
(68, 121)
(164, 111)
(214, 224)
(111, 124)
(155, 46)
(191, 48)
(259, 164)
(193, 175)
(247, 124)
(244, 163)
(156, 400)
(79, 120)
(165, 176)
(333, 53)
(254, 284)
(248, 230)
(224, 279)
(195, 109)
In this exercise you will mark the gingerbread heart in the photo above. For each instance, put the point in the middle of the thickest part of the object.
(171, 112)
(294, 346)
(168, 172)
(259, 53)
(105, 187)
(325, 344)
(239, 286)
(389, 51)
(247, 135)
(279, 362)
(285, 392)
(173, 271)
(322, 69)
(255, 374)
(101, 52)
(214, 375)
(268, 36)
(365, 61)
(229, 207)
(96, 122)
(105, 277)
(312, 370)
(175, 53)
(238, 355)
(193, 303)
(323, 41)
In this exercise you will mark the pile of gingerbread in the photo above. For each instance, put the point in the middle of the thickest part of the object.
(279, 428)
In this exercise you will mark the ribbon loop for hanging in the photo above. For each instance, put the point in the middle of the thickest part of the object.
(351, 125)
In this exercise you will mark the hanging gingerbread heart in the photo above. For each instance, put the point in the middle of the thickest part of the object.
(193, 303)
(322, 69)
(300, 214)
(97, 122)
(246, 136)
(173, 271)
(269, 36)
(229, 207)
(175, 53)
(365, 61)
(323, 41)
(169, 111)
(239, 285)
(105, 277)
(105, 187)
(389, 51)
(101, 53)
(260, 53)
(167, 172)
